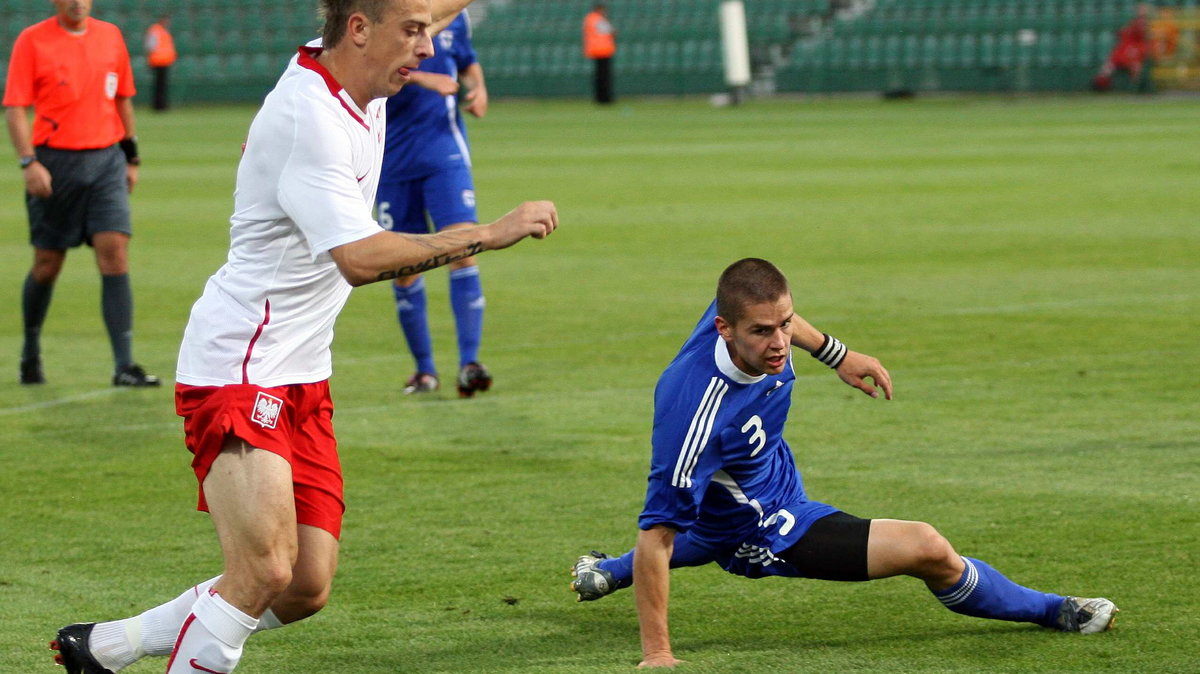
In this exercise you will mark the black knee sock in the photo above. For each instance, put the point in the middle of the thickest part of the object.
(35, 303)
(116, 303)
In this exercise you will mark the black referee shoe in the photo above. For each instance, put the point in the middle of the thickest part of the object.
(73, 652)
(31, 371)
(134, 375)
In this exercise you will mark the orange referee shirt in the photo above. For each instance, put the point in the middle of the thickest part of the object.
(598, 40)
(160, 46)
(72, 82)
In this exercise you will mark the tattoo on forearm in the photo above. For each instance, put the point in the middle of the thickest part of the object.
(473, 248)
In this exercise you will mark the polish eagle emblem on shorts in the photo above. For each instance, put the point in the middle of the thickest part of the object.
(266, 410)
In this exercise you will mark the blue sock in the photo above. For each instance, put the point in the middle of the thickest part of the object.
(984, 592)
(467, 301)
(684, 553)
(410, 310)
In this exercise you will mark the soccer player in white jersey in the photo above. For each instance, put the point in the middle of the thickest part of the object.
(724, 486)
(255, 360)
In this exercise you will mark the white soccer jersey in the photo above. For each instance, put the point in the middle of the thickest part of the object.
(305, 184)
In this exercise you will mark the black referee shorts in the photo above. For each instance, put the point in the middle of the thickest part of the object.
(90, 196)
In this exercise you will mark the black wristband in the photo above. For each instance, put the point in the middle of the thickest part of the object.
(832, 352)
(130, 148)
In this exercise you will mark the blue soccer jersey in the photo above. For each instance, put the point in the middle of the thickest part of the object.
(720, 468)
(425, 132)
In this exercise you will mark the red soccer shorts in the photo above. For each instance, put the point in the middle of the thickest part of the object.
(294, 421)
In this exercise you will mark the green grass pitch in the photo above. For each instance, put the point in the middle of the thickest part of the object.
(1029, 271)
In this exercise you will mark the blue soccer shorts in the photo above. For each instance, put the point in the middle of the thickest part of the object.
(448, 197)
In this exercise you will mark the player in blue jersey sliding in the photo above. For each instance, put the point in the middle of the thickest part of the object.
(724, 486)
(427, 173)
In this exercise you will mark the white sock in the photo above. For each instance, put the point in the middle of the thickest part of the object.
(268, 621)
(120, 643)
(160, 625)
(212, 637)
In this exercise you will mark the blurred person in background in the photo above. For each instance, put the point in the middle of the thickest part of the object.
(1130, 54)
(427, 174)
(160, 56)
(600, 45)
(80, 161)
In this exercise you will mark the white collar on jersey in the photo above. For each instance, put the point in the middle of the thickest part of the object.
(727, 368)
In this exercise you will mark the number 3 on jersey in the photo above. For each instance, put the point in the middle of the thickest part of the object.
(758, 438)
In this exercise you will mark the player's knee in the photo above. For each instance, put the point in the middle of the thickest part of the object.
(271, 571)
(274, 578)
(931, 551)
(307, 599)
(46, 268)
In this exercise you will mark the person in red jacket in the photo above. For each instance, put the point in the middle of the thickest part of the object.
(1130, 53)
(160, 56)
(599, 45)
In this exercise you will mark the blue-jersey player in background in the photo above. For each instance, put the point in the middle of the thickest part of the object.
(724, 486)
(427, 173)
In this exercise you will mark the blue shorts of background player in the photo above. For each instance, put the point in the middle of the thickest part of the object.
(442, 200)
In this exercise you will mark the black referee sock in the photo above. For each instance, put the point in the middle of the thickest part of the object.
(116, 303)
(35, 303)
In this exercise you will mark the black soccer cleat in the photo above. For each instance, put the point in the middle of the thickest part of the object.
(472, 378)
(73, 652)
(134, 375)
(31, 372)
(421, 382)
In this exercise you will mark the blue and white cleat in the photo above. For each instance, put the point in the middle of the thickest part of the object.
(1086, 616)
(591, 582)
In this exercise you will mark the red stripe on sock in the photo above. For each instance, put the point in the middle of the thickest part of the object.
(182, 631)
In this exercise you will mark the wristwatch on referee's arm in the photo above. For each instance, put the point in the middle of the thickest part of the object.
(26, 160)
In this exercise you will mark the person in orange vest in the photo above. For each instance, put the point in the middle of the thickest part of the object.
(599, 45)
(160, 55)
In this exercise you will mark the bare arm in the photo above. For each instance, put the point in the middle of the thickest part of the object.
(20, 132)
(125, 112)
(652, 587)
(389, 255)
(854, 369)
(443, 84)
(477, 96)
(444, 12)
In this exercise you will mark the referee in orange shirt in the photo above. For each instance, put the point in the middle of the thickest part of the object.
(80, 161)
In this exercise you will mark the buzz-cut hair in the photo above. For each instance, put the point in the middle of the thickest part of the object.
(748, 281)
(336, 14)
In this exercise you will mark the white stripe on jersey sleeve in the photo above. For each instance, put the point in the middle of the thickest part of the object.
(698, 432)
